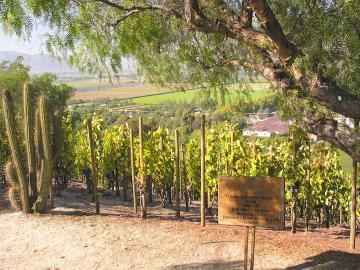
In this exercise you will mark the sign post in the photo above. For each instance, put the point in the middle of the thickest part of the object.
(251, 202)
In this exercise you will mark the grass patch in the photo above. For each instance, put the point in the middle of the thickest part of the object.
(89, 90)
(257, 91)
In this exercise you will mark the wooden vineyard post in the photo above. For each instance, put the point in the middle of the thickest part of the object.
(186, 193)
(133, 169)
(177, 173)
(93, 166)
(232, 135)
(51, 192)
(353, 197)
(227, 159)
(142, 168)
(294, 189)
(181, 188)
(202, 189)
(252, 249)
(308, 187)
(246, 248)
(232, 138)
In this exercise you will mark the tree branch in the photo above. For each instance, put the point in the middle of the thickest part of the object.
(282, 76)
(311, 120)
(324, 90)
(286, 50)
(136, 9)
(246, 14)
(329, 130)
(334, 97)
(226, 7)
(197, 21)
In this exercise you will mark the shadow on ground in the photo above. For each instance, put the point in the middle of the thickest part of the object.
(330, 260)
(210, 265)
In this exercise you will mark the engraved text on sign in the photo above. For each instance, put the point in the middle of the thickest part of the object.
(251, 201)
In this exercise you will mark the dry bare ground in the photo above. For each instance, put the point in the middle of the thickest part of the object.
(70, 236)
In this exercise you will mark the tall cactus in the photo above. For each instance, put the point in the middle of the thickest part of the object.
(29, 142)
(46, 168)
(9, 116)
(34, 174)
(14, 192)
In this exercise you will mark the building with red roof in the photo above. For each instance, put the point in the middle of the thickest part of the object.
(267, 127)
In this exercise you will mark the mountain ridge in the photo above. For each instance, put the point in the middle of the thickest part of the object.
(38, 63)
(41, 63)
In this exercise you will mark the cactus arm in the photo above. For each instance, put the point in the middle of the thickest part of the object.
(10, 173)
(46, 168)
(29, 142)
(13, 193)
(38, 142)
(9, 116)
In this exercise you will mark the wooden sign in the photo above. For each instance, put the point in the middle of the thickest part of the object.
(252, 201)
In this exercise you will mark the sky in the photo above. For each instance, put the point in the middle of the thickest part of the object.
(34, 45)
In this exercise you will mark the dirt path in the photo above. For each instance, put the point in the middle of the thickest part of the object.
(71, 237)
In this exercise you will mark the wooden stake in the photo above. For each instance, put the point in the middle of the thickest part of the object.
(246, 248)
(252, 250)
(232, 138)
(186, 192)
(308, 191)
(353, 198)
(51, 192)
(93, 166)
(142, 173)
(203, 151)
(177, 173)
(133, 170)
(294, 196)
(226, 159)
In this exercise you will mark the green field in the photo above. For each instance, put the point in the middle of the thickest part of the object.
(188, 97)
(90, 90)
(256, 90)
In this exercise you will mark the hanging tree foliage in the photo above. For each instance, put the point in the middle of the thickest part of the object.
(302, 48)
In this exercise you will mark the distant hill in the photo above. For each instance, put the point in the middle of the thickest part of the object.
(41, 63)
